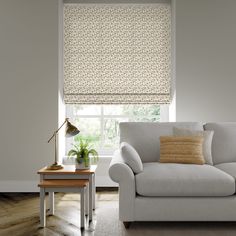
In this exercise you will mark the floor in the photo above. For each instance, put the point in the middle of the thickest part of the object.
(19, 216)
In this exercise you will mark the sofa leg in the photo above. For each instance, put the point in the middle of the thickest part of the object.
(127, 224)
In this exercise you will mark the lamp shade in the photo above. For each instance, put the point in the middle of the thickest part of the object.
(71, 130)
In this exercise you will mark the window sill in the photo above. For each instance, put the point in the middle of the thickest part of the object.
(71, 160)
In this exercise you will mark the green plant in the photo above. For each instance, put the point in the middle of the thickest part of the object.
(82, 150)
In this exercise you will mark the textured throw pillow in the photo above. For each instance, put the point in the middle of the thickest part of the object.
(182, 149)
(131, 157)
(207, 140)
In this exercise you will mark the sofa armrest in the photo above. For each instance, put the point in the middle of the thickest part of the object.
(119, 171)
(123, 174)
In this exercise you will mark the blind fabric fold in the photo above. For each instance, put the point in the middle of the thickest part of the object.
(117, 54)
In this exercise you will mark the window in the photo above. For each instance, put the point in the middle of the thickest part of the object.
(99, 124)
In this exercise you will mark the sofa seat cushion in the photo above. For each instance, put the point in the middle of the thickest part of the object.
(170, 179)
(229, 168)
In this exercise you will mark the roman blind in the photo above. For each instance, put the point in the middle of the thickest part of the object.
(117, 54)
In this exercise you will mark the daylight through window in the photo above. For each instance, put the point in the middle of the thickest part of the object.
(99, 124)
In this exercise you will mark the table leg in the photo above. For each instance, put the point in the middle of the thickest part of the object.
(94, 191)
(82, 208)
(86, 201)
(90, 197)
(42, 208)
(51, 203)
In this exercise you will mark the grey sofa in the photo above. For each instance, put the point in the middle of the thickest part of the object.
(176, 192)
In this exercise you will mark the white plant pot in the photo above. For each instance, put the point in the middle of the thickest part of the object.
(81, 166)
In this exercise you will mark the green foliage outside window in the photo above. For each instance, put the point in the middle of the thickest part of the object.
(99, 125)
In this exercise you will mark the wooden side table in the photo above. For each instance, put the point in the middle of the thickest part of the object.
(69, 173)
(57, 185)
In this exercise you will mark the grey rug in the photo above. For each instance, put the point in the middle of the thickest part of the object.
(108, 224)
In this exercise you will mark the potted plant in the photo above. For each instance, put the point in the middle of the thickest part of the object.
(85, 155)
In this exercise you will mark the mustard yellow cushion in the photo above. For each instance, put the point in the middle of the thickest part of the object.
(181, 149)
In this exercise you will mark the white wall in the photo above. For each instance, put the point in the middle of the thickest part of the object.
(205, 77)
(28, 89)
(205, 60)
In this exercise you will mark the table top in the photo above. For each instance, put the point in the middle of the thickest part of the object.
(62, 183)
(68, 169)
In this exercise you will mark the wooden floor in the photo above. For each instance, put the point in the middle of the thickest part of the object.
(19, 216)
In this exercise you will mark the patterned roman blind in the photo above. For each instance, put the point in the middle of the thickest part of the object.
(117, 54)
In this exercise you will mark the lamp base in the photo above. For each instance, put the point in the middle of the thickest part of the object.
(55, 166)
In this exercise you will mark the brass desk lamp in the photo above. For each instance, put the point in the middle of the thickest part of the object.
(71, 131)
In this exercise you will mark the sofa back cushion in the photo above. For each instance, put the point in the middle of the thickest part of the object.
(223, 142)
(144, 136)
(206, 146)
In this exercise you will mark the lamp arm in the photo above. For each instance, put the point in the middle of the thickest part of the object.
(55, 132)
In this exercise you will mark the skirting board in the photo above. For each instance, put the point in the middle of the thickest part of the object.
(18, 186)
(105, 181)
